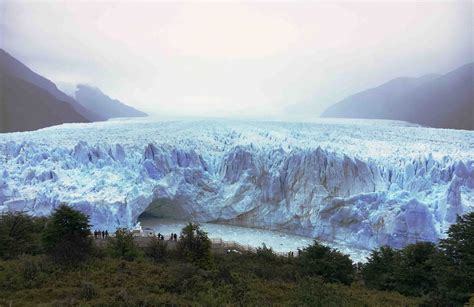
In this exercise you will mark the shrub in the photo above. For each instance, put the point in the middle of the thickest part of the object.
(20, 234)
(122, 297)
(123, 245)
(312, 291)
(116, 282)
(25, 272)
(156, 250)
(88, 291)
(67, 237)
(194, 245)
(320, 260)
(266, 253)
(264, 262)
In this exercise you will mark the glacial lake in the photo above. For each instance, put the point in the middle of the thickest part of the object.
(278, 241)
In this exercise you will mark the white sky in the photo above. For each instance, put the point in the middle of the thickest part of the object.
(273, 60)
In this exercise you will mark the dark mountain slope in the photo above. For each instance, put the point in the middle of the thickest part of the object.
(15, 68)
(445, 101)
(24, 106)
(376, 102)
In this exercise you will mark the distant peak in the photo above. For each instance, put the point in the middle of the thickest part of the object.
(93, 98)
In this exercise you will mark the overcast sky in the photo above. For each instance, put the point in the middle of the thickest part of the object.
(268, 60)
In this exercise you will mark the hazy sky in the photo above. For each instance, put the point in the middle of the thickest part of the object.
(274, 60)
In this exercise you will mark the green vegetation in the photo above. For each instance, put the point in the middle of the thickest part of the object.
(122, 245)
(443, 275)
(194, 245)
(67, 236)
(124, 274)
(157, 250)
(20, 234)
(320, 260)
(455, 266)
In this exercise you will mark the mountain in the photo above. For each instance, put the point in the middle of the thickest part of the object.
(376, 103)
(93, 98)
(15, 68)
(25, 106)
(445, 101)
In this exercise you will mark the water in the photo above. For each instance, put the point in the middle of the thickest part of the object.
(278, 241)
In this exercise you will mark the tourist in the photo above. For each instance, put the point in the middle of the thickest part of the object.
(106, 234)
(175, 237)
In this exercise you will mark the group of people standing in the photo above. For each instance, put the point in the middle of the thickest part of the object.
(101, 234)
(173, 237)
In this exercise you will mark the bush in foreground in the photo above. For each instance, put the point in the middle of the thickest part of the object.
(156, 250)
(122, 245)
(115, 282)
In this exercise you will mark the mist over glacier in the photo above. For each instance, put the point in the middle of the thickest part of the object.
(361, 183)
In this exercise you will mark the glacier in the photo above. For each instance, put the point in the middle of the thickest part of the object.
(361, 183)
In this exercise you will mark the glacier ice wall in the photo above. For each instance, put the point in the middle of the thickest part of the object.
(364, 184)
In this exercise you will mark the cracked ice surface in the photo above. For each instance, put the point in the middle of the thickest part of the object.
(364, 183)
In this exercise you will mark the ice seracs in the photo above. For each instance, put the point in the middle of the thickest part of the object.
(360, 183)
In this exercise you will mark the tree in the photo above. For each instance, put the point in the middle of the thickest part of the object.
(320, 260)
(414, 273)
(123, 245)
(67, 237)
(194, 245)
(444, 274)
(455, 268)
(20, 234)
(409, 271)
(459, 244)
(379, 271)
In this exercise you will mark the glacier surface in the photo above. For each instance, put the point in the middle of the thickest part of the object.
(362, 183)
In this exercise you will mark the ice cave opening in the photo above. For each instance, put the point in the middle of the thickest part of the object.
(163, 208)
(166, 216)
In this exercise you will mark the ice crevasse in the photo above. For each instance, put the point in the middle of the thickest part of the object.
(362, 183)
